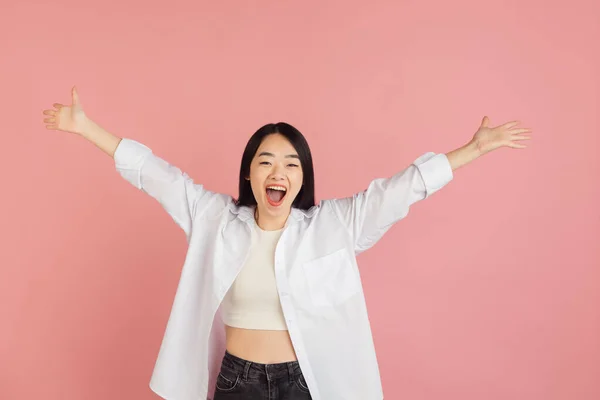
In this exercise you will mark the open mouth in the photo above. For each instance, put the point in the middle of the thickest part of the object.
(276, 194)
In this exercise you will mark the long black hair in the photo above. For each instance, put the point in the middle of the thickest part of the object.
(306, 197)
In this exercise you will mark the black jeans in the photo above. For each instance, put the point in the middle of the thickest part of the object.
(240, 379)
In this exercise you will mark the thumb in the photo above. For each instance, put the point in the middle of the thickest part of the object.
(485, 122)
(75, 96)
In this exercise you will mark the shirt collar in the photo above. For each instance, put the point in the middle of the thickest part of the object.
(245, 213)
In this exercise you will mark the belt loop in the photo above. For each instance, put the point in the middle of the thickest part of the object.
(291, 371)
(246, 370)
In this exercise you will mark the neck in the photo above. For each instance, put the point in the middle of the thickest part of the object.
(270, 223)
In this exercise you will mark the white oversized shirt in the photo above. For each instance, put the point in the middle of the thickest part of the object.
(317, 275)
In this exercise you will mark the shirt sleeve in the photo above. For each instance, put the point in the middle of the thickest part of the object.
(172, 188)
(369, 214)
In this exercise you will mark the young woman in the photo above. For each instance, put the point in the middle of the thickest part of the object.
(270, 303)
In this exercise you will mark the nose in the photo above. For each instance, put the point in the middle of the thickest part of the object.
(278, 172)
(277, 176)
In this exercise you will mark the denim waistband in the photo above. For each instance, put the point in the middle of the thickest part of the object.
(249, 369)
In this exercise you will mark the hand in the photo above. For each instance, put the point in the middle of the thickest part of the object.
(67, 118)
(487, 139)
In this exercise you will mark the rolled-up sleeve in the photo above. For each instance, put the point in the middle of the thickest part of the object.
(129, 158)
(172, 188)
(369, 214)
(435, 170)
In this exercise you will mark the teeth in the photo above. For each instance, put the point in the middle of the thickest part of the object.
(276, 188)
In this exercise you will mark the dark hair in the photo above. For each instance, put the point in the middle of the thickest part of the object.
(306, 197)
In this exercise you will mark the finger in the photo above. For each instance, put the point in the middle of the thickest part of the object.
(50, 120)
(520, 137)
(518, 131)
(57, 105)
(50, 112)
(51, 126)
(510, 124)
(75, 95)
(485, 122)
(517, 146)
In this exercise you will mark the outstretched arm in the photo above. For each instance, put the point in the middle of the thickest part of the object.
(369, 214)
(171, 187)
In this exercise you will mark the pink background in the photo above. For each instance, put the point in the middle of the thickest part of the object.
(489, 290)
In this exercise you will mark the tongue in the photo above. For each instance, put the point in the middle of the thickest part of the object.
(275, 195)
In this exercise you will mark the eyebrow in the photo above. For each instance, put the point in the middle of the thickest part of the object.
(266, 153)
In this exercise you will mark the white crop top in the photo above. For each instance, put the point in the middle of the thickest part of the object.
(252, 302)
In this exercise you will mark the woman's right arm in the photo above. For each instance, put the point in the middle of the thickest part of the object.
(172, 188)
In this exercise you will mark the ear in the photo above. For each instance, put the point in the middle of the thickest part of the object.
(247, 178)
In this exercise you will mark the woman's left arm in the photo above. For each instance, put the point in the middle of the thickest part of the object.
(367, 215)
(487, 139)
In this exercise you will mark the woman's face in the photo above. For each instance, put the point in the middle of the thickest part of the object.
(275, 177)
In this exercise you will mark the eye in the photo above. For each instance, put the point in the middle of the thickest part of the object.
(292, 165)
(265, 163)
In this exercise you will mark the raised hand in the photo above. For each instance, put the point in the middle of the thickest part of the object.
(67, 118)
(509, 134)
(73, 119)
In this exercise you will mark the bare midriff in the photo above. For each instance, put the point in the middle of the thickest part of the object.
(260, 346)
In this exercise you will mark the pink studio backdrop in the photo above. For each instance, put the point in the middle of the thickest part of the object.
(489, 290)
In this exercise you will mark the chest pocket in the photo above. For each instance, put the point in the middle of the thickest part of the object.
(331, 279)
